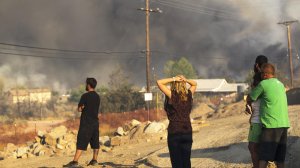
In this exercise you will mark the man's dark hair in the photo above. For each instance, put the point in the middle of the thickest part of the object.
(260, 60)
(92, 82)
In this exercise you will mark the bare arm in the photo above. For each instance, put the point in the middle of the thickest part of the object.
(248, 109)
(80, 108)
(193, 85)
(162, 85)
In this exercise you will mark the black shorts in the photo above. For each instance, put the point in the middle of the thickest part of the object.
(88, 134)
(273, 144)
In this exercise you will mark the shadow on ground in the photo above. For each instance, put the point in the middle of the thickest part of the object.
(238, 153)
(233, 153)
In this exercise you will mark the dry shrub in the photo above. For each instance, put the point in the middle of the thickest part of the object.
(109, 122)
(18, 138)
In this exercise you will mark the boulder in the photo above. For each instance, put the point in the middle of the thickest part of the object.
(155, 127)
(22, 151)
(35, 145)
(120, 131)
(115, 141)
(37, 149)
(104, 140)
(10, 147)
(58, 132)
(41, 133)
(71, 146)
(59, 146)
(105, 149)
(25, 156)
(134, 123)
(136, 132)
(41, 153)
(70, 137)
(50, 140)
(62, 142)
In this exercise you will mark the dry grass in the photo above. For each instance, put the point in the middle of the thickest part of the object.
(14, 134)
(109, 122)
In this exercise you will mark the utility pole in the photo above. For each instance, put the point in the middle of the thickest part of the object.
(147, 12)
(288, 26)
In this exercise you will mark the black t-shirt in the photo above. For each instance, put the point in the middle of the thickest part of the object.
(91, 102)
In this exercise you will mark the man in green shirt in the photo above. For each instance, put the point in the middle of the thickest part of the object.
(273, 116)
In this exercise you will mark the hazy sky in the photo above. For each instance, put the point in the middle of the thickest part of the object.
(220, 38)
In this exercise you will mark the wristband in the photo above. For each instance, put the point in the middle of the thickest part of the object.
(173, 79)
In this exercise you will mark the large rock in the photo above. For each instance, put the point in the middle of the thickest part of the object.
(155, 127)
(41, 133)
(58, 132)
(10, 147)
(50, 140)
(59, 146)
(22, 151)
(105, 149)
(115, 141)
(70, 137)
(71, 146)
(104, 140)
(62, 142)
(37, 149)
(136, 132)
(120, 131)
(134, 123)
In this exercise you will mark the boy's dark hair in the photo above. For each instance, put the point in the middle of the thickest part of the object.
(260, 60)
(92, 82)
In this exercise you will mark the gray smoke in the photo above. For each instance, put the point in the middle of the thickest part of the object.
(222, 42)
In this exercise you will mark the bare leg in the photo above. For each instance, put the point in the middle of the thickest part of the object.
(95, 154)
(77, 155)
(263, 164)
(253, 148)
(280, 165)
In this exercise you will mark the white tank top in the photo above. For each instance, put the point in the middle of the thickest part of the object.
(255, 111)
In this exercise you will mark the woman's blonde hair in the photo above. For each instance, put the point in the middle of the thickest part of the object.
(181, 89)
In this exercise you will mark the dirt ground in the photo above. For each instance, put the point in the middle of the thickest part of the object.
(218, 143)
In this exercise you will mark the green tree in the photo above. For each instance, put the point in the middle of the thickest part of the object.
(180, 67)
(76, 93)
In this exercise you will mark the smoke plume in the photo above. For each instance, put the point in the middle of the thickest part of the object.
(220, 38)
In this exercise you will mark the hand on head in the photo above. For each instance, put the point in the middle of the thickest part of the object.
(180, 78)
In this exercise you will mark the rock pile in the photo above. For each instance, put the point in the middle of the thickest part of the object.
(61, 141)
(58, 141)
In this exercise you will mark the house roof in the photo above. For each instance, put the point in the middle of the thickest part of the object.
(218, 85)
(211, 85)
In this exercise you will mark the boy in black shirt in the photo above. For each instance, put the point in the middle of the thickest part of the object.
(89, 125)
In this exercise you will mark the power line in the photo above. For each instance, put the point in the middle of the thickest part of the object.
(66, 50)
(61, 57)
(201, 5)
(194, 9)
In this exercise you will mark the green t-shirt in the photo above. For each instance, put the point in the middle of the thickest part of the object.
(273, 105)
